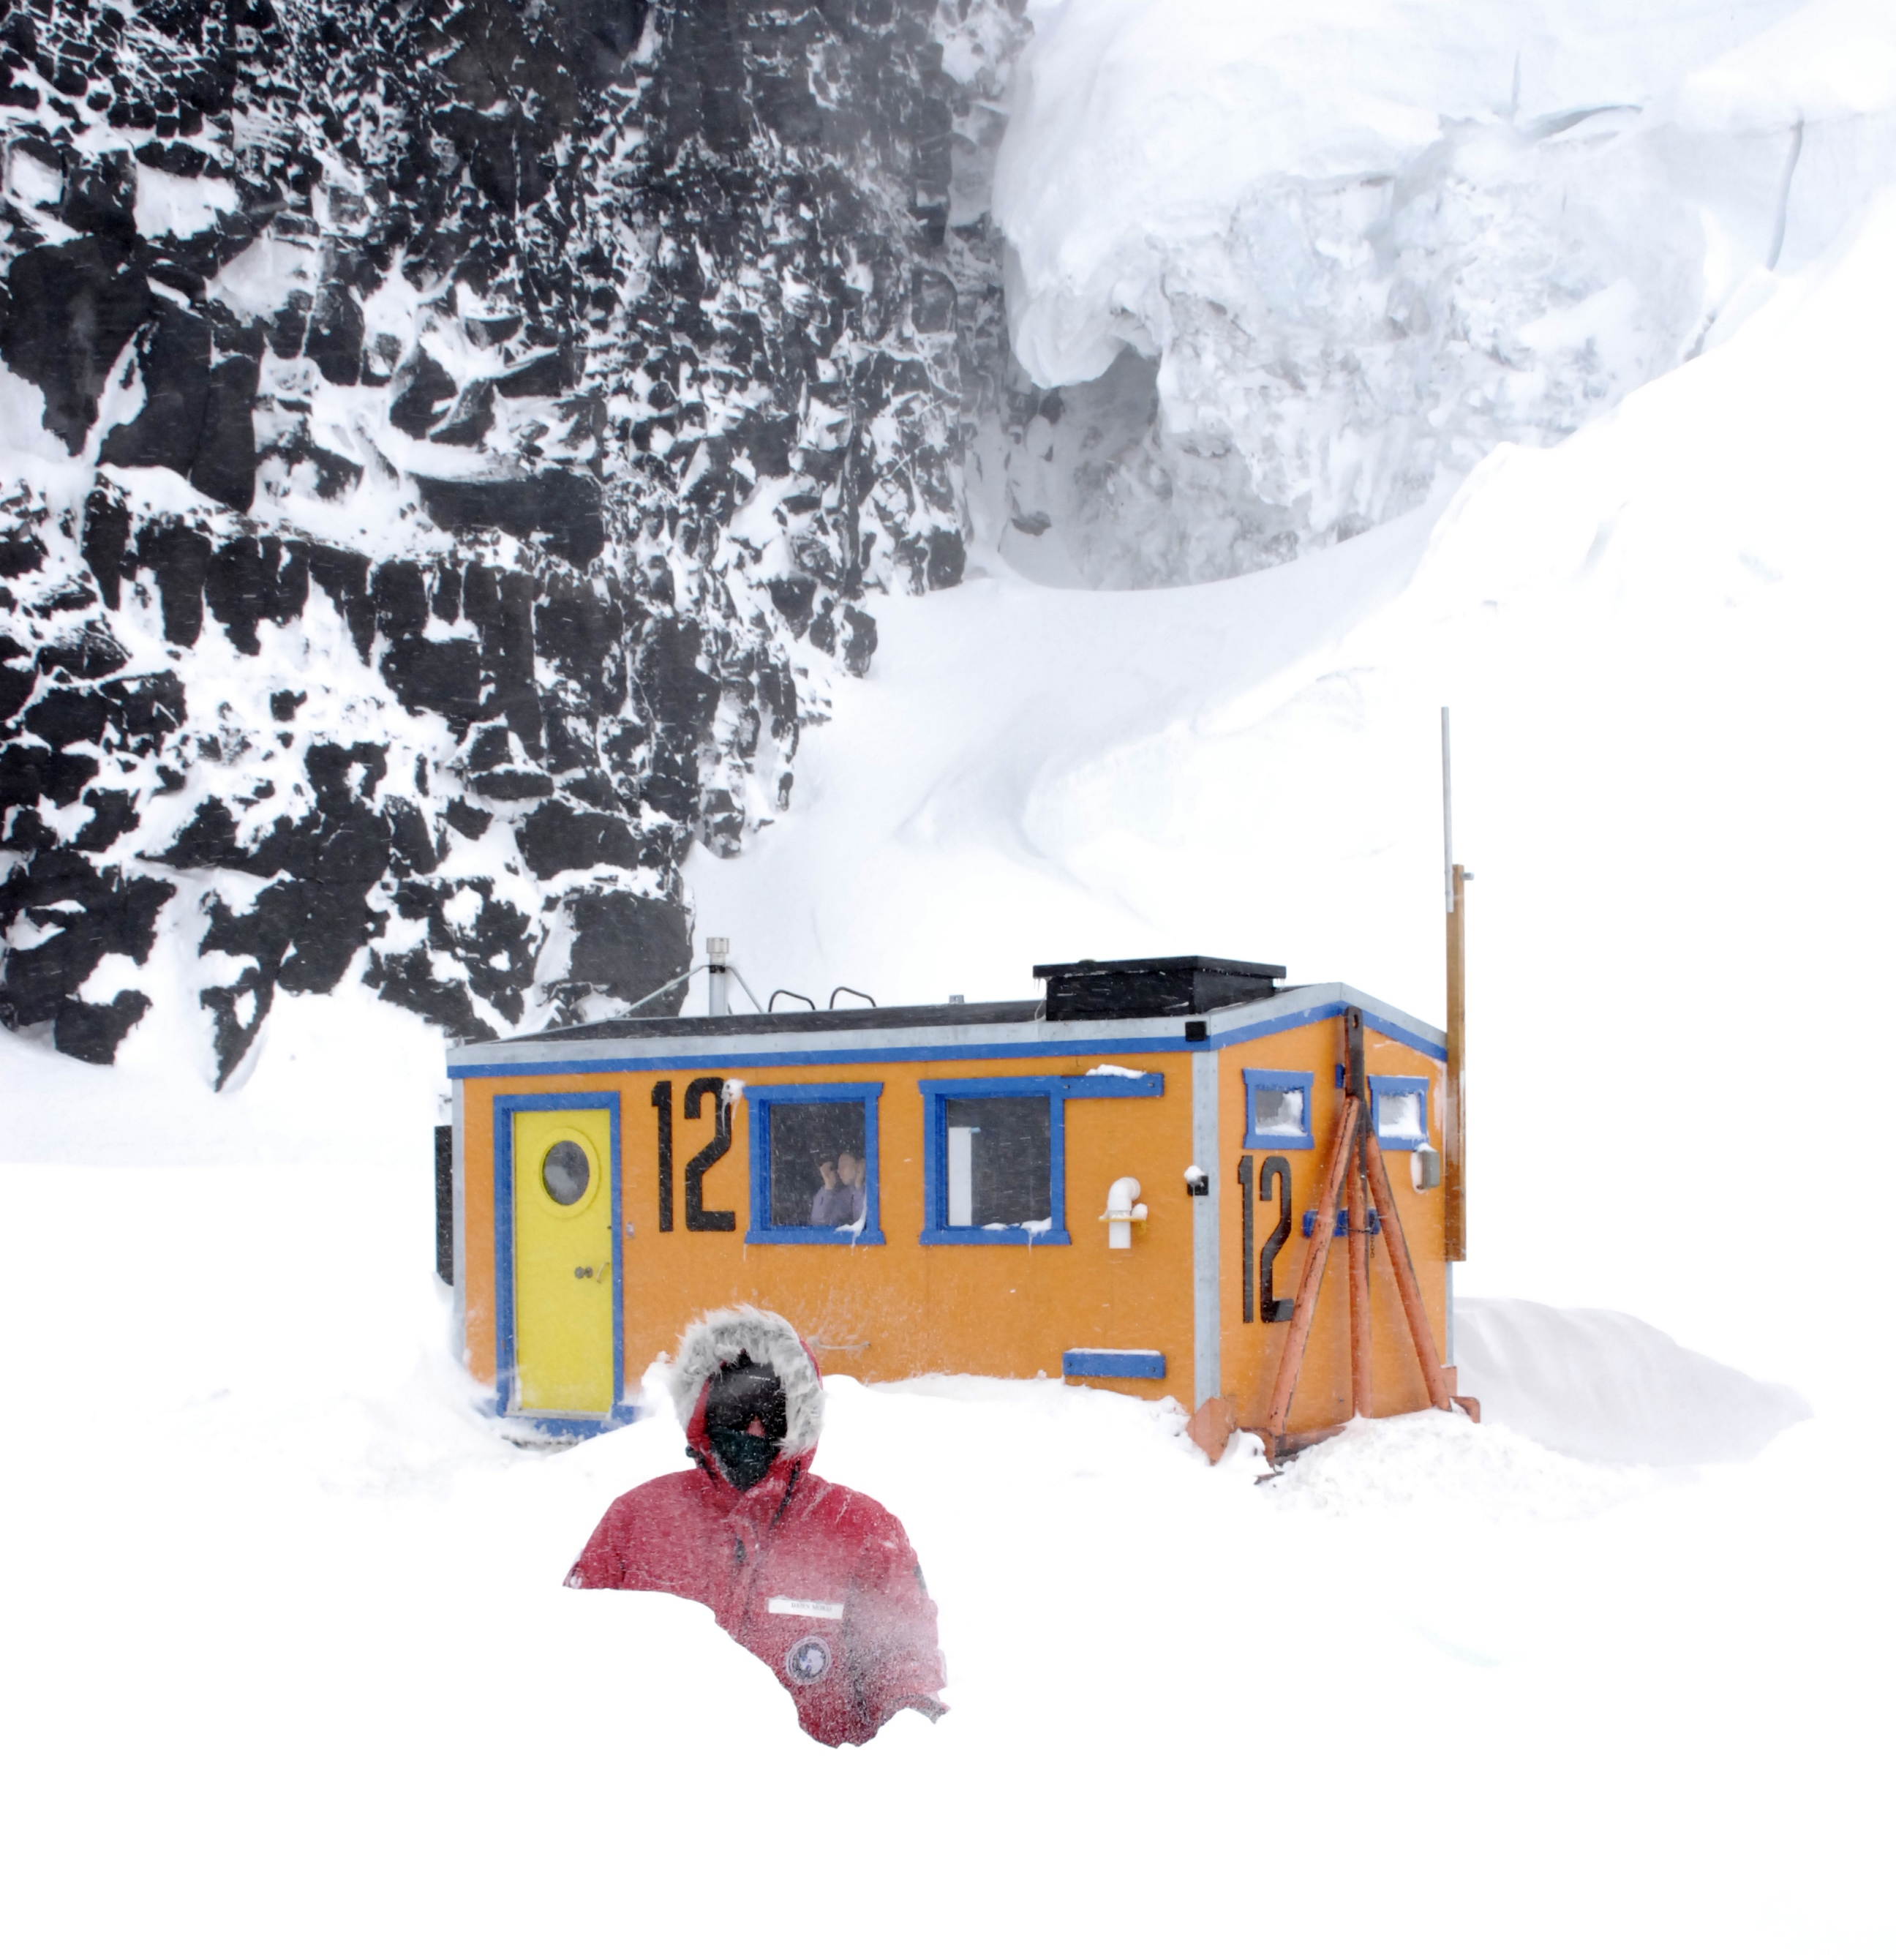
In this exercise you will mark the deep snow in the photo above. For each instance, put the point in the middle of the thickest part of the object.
(294, 1669)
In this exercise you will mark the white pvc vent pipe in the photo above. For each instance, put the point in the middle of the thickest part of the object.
(1123, 1211)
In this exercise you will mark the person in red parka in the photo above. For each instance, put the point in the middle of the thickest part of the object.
(817, 1581)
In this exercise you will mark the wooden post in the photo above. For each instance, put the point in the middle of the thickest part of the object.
(1359, 1283)
(1454, 1097)
(1397, 1240)
(1298, 1334)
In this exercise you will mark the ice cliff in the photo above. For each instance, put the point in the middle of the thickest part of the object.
(1275, 270)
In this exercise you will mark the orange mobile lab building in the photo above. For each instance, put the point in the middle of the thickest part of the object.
(1123, 1182)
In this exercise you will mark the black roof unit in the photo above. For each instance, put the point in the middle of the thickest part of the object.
(1128, 990)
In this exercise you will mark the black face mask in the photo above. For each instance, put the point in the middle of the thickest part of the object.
(741, 1393)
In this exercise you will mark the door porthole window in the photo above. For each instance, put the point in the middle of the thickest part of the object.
(565, 1173)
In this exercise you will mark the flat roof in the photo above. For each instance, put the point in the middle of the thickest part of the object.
(954, 1031)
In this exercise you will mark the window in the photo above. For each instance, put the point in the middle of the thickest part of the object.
(1276, 1110)
(815, 1172)
(1400, 1105)
(999, 1161)
(994, 1154)
(565, 1173)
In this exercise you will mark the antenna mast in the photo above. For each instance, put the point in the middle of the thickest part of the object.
(1454, 1100)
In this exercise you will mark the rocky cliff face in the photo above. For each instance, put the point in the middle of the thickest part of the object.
(446, 449)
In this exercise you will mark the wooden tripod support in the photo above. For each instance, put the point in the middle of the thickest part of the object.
(1355, 1152)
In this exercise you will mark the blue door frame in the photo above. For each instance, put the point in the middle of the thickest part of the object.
(621, 1411)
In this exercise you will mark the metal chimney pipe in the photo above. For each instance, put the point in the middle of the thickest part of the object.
(717, 959)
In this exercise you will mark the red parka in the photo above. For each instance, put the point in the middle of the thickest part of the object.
(818, 1581)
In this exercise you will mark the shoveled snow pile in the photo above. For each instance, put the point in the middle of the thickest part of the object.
(1283, 268)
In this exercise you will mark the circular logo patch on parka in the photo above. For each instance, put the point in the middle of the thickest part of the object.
(807, 1662)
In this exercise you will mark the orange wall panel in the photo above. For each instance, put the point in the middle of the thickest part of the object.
(1251, 1354)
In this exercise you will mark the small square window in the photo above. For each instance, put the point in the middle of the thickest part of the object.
(998, 1162)
(1401, 1106)
(1276, 1110)
(994, 1153)
(818, 1164)
(813, 1169)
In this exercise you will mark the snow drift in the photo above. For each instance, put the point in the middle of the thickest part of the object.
(1603, 1385)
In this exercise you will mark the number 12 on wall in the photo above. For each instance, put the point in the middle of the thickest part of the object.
(697, 1219)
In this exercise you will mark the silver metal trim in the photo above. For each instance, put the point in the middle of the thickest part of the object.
(459, 1186)
(1207, 1358)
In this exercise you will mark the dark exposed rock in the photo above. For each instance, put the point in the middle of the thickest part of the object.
(197, 417)
(344, 575)
(70, 310)
(91, 1031)
(16, 683)
(441, 675)
(625, 945)
(21, 555)
(556, 837)
(178, 556)
(558, 508)
(108, 531)
(333, 340)
(249, 579)
(63, 717)
(420, 389)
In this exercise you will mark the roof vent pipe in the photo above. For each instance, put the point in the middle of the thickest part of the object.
(717, 963)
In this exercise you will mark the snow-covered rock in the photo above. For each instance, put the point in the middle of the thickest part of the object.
(446, 451)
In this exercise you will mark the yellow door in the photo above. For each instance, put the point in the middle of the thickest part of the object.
(563, 1260)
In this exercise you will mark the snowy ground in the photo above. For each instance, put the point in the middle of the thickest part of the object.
(292, 1670)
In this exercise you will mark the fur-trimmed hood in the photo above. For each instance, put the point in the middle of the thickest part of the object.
(768, 1338)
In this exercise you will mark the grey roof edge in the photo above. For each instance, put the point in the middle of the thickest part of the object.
(881, 1029)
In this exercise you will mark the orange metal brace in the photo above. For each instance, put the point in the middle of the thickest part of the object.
(1359, 1279)
(1298, 1334)
(1405, 1284)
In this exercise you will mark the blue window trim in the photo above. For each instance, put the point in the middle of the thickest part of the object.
(760, 1097)
(1381, 1086)
(1255, 1139)
(552, 1422)
(1114, 1364)
(1059, 1090)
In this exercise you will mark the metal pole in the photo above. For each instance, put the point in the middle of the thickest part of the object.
(1455, 1237)
(1454, 1094)
(717, 959)
(1447, 822)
